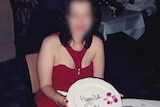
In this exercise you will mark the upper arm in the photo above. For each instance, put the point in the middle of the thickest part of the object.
(99, 59)
(45, 62)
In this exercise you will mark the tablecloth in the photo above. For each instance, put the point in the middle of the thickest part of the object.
(130, 23)
(140, 103)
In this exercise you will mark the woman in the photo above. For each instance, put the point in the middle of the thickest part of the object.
(70, 55)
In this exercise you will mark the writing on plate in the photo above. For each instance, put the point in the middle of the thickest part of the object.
(90, 100)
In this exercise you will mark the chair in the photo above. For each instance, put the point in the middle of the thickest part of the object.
(31, 60)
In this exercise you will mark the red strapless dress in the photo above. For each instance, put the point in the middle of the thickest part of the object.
(63, 77)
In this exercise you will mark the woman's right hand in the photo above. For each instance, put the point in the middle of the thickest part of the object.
(62, 100)
(65, 102)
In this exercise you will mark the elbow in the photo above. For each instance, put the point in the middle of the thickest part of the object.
(43, 87)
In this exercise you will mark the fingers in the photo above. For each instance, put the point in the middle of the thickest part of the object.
(65, 102)
(121, 95)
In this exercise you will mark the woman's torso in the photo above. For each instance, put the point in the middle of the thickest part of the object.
(67, 75)
(70, 66)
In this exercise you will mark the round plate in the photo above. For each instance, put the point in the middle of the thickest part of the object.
(93, 92)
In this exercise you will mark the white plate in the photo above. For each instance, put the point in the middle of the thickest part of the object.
(93, 92)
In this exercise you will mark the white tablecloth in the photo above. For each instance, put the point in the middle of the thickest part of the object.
(130, 23)
(140, 103)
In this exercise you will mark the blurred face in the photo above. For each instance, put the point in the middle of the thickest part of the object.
(80, 18)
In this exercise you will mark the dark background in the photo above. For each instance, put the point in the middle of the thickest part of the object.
(132, 66)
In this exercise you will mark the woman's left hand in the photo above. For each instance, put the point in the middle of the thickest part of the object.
(121, 95)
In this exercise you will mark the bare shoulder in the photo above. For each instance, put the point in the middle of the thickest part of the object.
(51, 41)
(97, 44)
(96, 41)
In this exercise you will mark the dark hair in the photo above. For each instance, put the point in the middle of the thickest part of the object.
(65, 34)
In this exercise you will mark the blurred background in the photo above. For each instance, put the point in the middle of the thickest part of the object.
(129, 29)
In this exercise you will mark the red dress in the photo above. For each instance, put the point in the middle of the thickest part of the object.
(63, 77)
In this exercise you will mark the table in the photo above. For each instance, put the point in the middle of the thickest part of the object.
(140, 103)
(130, 23)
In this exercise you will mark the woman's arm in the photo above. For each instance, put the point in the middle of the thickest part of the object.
(45, 68)
(99, 59)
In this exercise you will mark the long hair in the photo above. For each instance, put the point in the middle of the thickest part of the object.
(65, 35)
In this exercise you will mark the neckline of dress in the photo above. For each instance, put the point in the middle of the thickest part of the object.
(77, 50)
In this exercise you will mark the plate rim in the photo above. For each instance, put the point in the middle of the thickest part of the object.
(72, 92)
